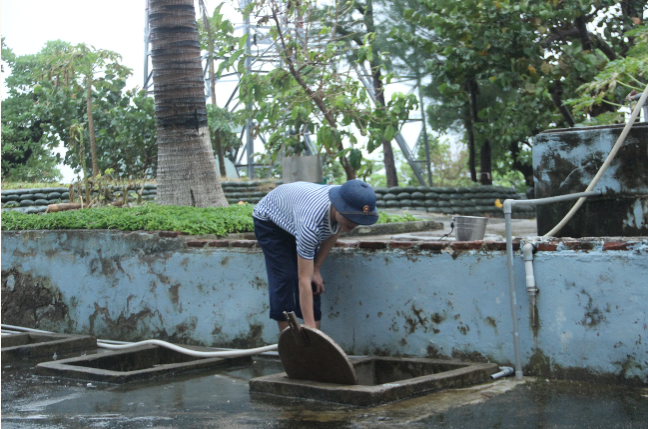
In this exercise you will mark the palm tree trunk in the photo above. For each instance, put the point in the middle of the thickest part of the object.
(91, 131)
(187, 172)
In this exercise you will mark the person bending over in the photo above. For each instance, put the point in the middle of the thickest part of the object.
(296, 225)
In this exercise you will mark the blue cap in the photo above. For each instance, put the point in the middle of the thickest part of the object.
(356, 201)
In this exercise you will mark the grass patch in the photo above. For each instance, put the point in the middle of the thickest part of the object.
(387, 218)
(152, 217)
(148, 217)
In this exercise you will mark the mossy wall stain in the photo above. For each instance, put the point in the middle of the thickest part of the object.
(259, 283)
(174, 293)
(253, 338)
(181, 334)
(469, 356)
(629, 371)
(492, 323)
(125, 327)
(32, 302)
(106, 266)
(419, 319)
(593, 315)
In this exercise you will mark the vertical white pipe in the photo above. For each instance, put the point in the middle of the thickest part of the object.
(527, 252)
(509, 264)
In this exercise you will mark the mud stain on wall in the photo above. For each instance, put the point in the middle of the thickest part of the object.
(33, 302)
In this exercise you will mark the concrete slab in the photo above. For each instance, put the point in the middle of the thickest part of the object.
(39, 347)
(495, 228)
(128, 365)
(395, 228)
(381, 380)
(220, 398)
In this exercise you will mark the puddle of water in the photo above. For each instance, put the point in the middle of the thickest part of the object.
(222, 399)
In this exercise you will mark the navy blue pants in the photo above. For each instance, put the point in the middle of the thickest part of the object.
(280, 251)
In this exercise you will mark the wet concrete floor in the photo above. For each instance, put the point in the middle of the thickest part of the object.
(221, 399)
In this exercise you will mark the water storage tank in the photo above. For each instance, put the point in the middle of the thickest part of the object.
(566, 160)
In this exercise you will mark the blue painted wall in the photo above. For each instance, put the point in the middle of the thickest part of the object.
(592, 313)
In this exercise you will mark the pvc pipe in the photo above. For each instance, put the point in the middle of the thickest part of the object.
(508, 204)
(508, 208)
(605, 165)
(527, 253)
(509, 265)
(504, 371)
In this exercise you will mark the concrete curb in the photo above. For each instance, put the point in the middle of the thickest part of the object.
(394, 228)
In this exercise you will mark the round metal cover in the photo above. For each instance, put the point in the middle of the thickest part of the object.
(316, 357)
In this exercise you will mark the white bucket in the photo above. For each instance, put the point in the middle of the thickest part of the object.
(470, 228)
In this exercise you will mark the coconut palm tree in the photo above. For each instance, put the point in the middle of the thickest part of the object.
(187, 173)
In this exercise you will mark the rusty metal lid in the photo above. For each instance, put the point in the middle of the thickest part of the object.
(309, 354)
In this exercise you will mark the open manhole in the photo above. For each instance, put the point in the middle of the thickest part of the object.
(380, 380)
(35, 346)
(137, 363)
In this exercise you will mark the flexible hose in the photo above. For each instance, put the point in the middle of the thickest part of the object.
(20, 328)
(605, 165)
(120, 345)
(189, 352)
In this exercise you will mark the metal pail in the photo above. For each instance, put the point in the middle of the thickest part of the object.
(470, 228)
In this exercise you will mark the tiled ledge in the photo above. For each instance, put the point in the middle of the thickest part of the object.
(246, 241)
(541, 244)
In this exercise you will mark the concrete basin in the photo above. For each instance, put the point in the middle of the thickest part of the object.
(43, 346)
(381, 380)
(138, 363)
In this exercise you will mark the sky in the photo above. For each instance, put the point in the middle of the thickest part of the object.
(116, 25)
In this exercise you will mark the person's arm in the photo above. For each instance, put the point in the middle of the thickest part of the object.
(305, 269)
(323, 252)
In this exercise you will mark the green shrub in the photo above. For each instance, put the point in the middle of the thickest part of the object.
(151, 217)
(148, 217)
(387, 218)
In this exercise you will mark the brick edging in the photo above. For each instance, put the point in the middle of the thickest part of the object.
(551, 245)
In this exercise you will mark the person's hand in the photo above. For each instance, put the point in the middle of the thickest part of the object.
(318, 282)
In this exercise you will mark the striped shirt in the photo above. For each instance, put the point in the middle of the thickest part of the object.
(302, 209)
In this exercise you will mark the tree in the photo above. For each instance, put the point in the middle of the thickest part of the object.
(216, 35)
(187, 172)
(50, 100)
(629, 73)
(225, 141)
(358, 32)
(76, 67)
(128, 136)
(25, 156)
(316, 90)
(522, 59)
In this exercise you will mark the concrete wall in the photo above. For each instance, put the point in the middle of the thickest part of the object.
(387, 298)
